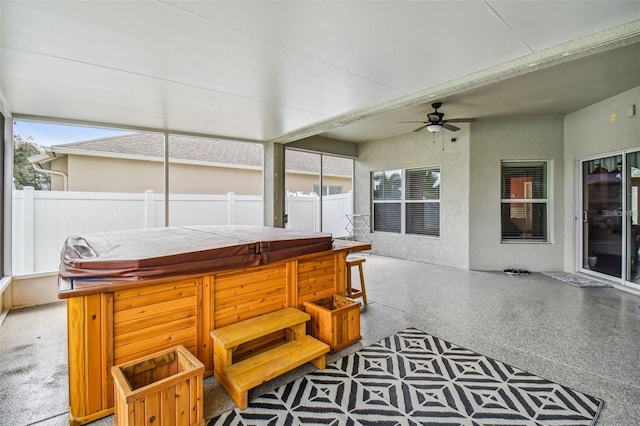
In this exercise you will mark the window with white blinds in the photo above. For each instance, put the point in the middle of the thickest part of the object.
(422, 201)
(387, 195)
(524, 201)
(407, 201)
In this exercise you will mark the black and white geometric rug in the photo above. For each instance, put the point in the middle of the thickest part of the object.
(412, 378)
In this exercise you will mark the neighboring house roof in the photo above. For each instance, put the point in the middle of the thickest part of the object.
(194, 150)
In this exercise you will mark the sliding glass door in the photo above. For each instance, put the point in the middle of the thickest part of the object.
(610, 233)
(632, 175)
(602, 223)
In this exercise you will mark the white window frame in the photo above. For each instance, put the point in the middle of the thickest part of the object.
(404, 202)
(546, 201)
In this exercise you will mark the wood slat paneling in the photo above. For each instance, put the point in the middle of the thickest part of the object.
(158, 330)
(133, 322)
(148, 319)
(140, 313)
(142, 323)
(248, 311)
(94, 366)
(133, 350)
(226, 280)
(141, 296)
(255, 291)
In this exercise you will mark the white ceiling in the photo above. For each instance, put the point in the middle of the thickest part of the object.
(268, 70)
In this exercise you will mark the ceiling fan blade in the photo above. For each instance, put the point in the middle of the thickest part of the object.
(450, 127)
(412, 122)
(419, 128)
(461, 120)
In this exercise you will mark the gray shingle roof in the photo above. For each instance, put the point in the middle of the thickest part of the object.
(209, 150)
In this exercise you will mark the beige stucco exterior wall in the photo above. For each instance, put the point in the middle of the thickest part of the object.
(185, 179)
(590, 132)
(105, 174)
(417, 150)
(300, 182)
(60, 165)
(526, 138)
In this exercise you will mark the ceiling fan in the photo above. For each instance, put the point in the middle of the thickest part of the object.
(436, 121)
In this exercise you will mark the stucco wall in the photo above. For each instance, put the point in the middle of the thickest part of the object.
(103, 174)
(589, 132)
(526, 138)
(60, 165)
(417, 150)
(295, 182)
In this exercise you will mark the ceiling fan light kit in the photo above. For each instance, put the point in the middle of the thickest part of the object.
(434, 128)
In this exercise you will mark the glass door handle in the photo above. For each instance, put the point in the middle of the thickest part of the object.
(584, 216)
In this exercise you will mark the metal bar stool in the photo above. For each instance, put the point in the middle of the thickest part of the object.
(354, 293)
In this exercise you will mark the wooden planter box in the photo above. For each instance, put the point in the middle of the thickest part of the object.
(164, 388)
(335, 320)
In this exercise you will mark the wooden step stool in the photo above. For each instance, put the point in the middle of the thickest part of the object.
(239, 377)
(354, 293)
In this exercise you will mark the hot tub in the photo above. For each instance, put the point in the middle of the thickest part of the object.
(133, 293)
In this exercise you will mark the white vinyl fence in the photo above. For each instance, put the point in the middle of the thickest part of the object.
(42, 220)
(303, 212)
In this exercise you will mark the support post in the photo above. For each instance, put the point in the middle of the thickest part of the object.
(273, 184)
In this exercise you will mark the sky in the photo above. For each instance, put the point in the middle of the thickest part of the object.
(47, 134)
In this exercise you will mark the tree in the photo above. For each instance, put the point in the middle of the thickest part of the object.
(387, 185)
(23, 172)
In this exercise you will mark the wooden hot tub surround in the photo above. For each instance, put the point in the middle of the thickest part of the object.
(111, 322)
